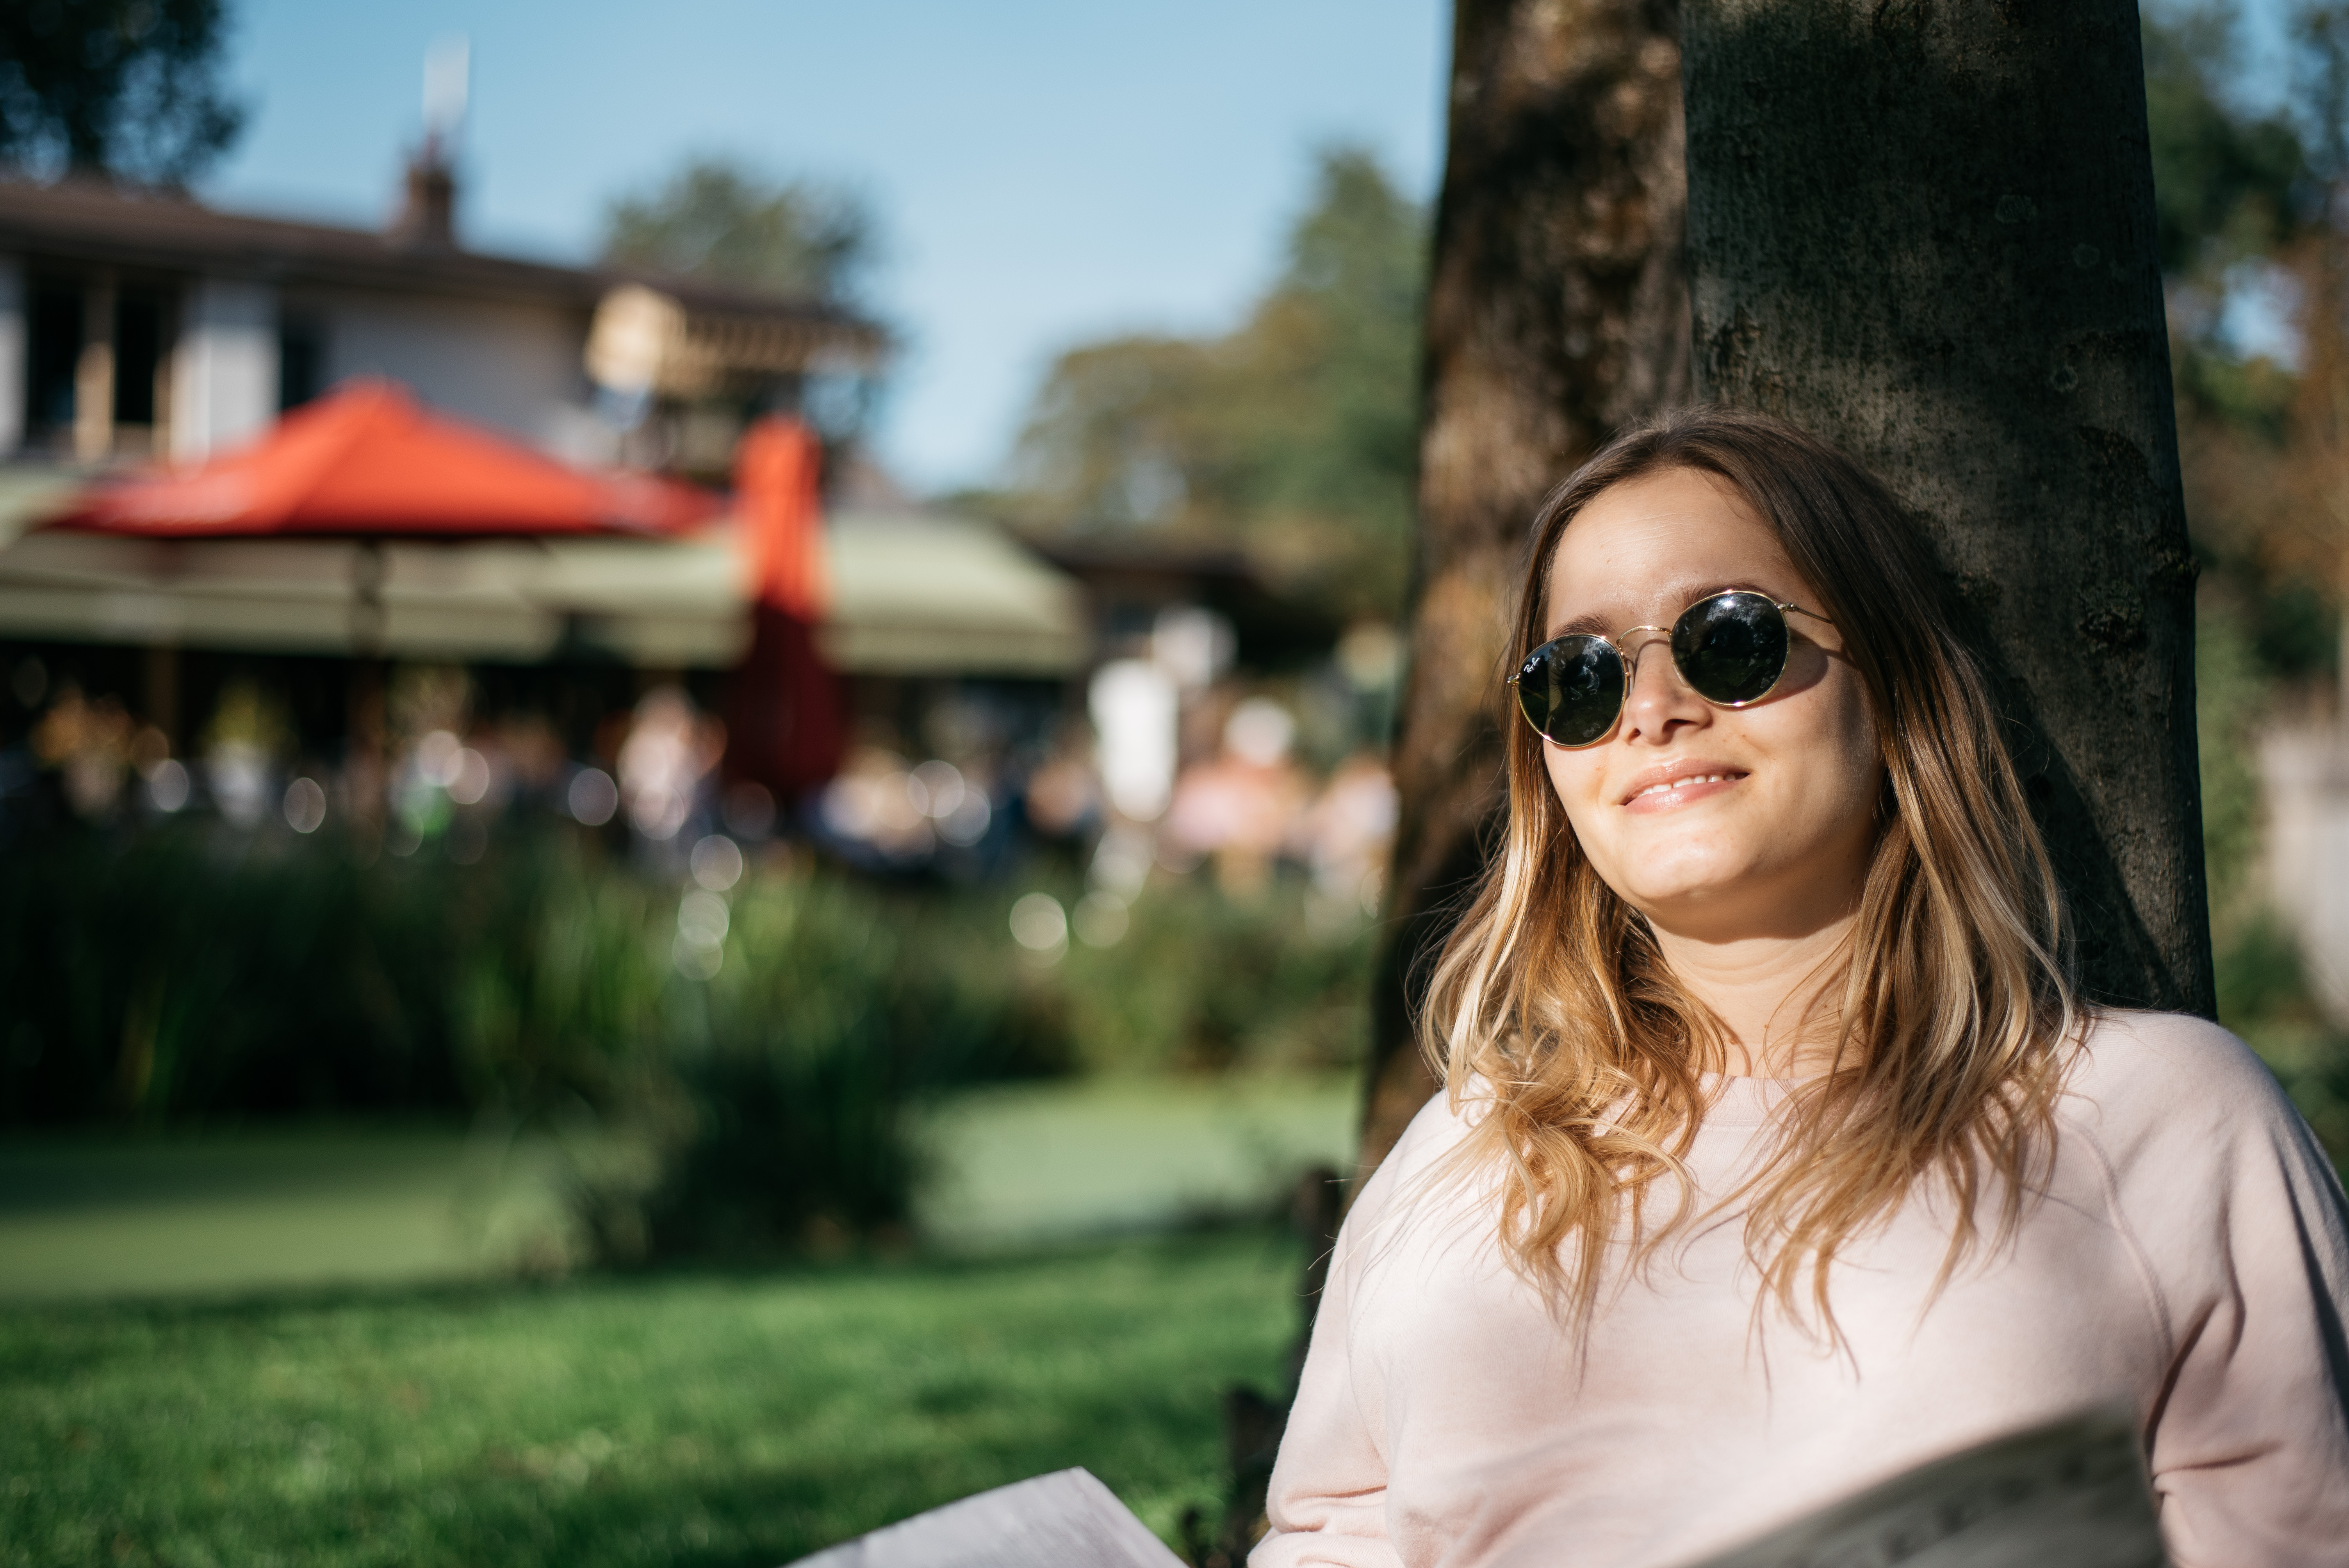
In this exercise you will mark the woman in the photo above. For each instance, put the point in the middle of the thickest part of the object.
(1778, 1155)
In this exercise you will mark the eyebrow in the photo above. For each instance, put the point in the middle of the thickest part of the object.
(1597, 625)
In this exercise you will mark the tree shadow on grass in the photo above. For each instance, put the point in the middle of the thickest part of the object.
(715, 1415)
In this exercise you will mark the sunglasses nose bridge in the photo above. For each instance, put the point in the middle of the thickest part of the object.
(1631, 647)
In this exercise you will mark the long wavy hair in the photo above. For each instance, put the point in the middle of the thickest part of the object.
(1944, 1026)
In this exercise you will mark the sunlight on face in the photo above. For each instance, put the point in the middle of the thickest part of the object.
(1717, 824)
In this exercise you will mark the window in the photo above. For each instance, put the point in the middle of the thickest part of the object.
(301, 361)
(51, 355)
(137, 353)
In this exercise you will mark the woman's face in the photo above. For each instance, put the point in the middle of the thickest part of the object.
(1716, 823)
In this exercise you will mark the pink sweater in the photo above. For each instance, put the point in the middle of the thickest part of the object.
(2190, 1263)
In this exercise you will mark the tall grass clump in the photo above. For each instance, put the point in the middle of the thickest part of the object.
(177, 976)
(732, 1070)
(187, 975)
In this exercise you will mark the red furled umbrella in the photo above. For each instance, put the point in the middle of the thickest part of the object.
(367, 462)
(785, 721)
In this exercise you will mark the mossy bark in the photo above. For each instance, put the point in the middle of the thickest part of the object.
(1926, 231)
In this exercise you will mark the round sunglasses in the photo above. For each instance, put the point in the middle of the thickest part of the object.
(1729, 647)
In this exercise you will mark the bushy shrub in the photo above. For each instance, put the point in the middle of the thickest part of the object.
(835, 1012)
(1203, 981)
(748, 1095)
(180, 974)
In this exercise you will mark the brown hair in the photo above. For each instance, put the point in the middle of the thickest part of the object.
(1947, 1026)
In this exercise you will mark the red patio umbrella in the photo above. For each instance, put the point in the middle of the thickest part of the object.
(368, 462)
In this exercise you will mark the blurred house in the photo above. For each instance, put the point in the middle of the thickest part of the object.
(135, 327)
(1135, 580)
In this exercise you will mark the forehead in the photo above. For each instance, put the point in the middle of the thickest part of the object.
(1641, 550)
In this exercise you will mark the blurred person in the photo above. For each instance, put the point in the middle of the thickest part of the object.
(1063, 797)
(670, 749)
(1343, 839)
(875, 804)
(88, 743)
(1777, 1152)
(1136, 707)
(243, 744)
(530, 751)
(1242, 806)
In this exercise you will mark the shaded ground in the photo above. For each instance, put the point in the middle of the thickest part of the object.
(97, 1216)
(1022, 1165)
(694, 1420)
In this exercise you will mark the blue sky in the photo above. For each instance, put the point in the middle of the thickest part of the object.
(1045, 171)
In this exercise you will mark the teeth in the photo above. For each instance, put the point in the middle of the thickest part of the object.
(1668, 788)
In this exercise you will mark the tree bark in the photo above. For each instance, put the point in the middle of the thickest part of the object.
(1925, 230)
(1557, 311)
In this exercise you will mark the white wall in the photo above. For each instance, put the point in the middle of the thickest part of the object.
(2304, 775)
(224, 374)
(13, 340)
(516, 367)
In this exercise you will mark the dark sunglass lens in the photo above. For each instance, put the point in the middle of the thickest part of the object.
(1732, 647)
(1572, 688)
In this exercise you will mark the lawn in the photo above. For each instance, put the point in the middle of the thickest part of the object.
(678, 1418)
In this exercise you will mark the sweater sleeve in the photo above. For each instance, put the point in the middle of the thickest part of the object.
(1327, 1502)
(2242, 1221)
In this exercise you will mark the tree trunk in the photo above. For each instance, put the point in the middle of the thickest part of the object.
(1926, 231)
(1557, 312)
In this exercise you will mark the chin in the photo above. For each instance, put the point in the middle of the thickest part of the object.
(1668, 894)
(1699, 886)
(1685, 869)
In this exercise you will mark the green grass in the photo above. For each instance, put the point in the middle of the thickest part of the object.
(1053, 1161)
(678, 1418)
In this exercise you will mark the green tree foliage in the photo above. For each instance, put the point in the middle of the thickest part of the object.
(2248, 200)
(1292, 439)
(721, 222)
(2240, 207)
(2227, 183)
(127, 89)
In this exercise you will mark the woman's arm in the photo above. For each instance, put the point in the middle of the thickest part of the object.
(2242, 1219)
(1327, 1498)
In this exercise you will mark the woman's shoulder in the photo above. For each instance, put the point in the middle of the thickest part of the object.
(1438, 1126)
(1434, 1133)
(2216, 1178)
(2144, 1080)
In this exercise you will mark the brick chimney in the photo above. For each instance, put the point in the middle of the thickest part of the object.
(426, 215)
(428, 209)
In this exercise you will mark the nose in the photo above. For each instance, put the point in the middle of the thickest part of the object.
(1659, 704)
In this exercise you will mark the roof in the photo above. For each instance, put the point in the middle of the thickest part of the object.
(921, 593)
(86, 222)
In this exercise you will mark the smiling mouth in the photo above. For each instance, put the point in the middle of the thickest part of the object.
(1687, 787)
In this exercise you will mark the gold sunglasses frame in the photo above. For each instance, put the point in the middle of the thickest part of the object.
(1631, 666)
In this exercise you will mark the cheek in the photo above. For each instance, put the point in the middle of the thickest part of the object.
(1850, 768)
(1575, 777)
